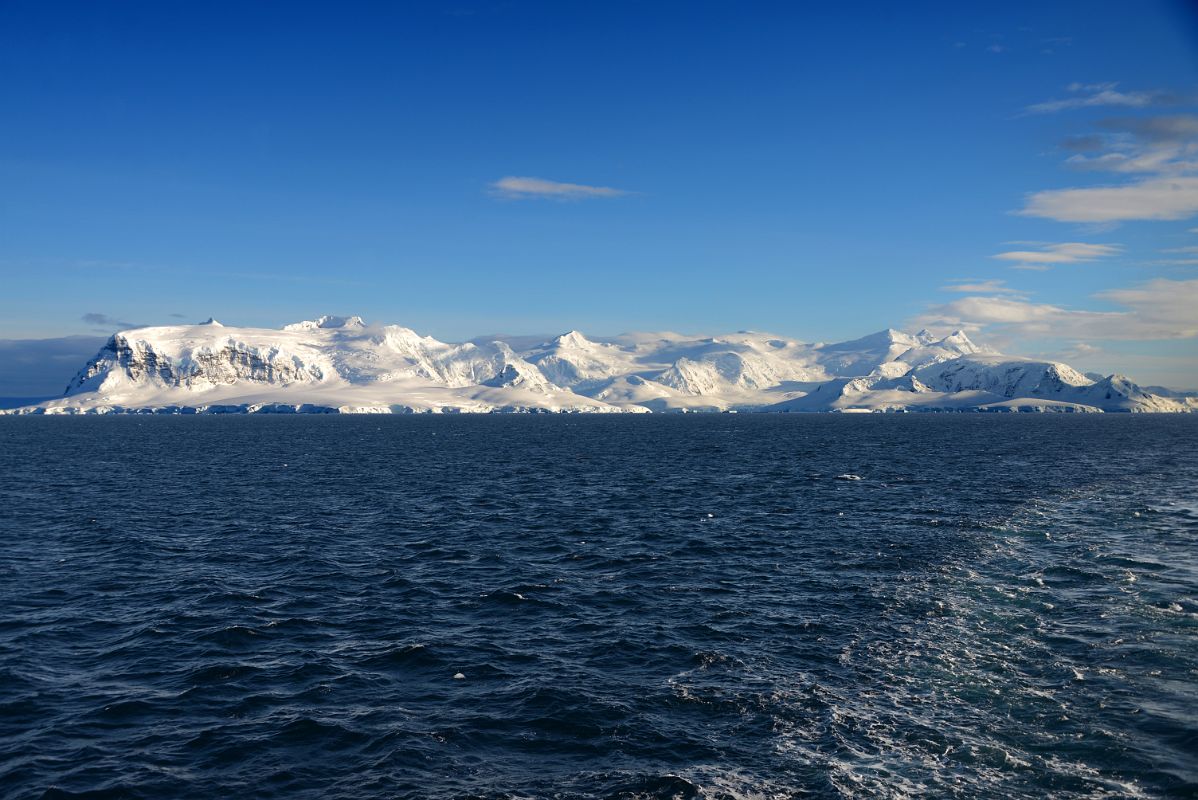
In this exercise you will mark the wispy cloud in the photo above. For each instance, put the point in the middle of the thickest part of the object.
(1157, 309)
(980, 287)
(1055, 41)
(1062, 253)
(1087, 143)
(523, 188)
(1159, 160)
(1081, 350)
(1092, 95)
(1189, 257)
(1161, 145)
(1164, 128)
(107, 322)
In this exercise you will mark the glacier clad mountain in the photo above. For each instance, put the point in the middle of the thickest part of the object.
(343, 365)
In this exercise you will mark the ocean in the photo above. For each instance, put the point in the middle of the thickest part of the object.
(718, 606)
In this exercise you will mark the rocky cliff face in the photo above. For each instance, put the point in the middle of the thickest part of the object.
(126, 361)
(137, 360)
(237, 362)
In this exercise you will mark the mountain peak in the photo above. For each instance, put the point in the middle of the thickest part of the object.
(883, 338)
(326, 322)
(891, 335)
(212, 322)
(571, 339)
(329, 321)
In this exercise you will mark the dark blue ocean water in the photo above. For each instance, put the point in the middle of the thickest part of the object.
(658, 607)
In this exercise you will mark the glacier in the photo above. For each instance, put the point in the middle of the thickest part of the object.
(336, 364)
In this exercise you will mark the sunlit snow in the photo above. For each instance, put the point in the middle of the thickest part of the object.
(342, 365)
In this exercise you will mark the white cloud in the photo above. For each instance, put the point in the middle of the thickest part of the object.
(1063, 253)
(1158, 309)
(1161, 151)
(1157, 198)
(975, 313)
(1092, 95)
(521, 188)
(1171, 304)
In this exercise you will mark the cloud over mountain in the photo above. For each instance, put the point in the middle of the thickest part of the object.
(1154, 310)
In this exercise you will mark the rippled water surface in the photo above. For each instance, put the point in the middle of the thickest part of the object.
(599, 607)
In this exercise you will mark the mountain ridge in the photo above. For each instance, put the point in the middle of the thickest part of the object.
(336, 364)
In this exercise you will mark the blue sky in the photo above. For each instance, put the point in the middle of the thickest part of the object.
(816, 170)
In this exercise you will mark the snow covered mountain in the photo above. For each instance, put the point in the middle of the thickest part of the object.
(343, 365)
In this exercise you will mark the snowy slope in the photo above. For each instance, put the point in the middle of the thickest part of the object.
(862, 356)
(1005, 376)
(986, 382)
(574, 361)
(344, 365)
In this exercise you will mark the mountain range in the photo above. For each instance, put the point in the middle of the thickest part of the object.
(342, 365)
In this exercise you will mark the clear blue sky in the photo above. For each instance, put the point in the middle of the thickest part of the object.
(820, 170)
